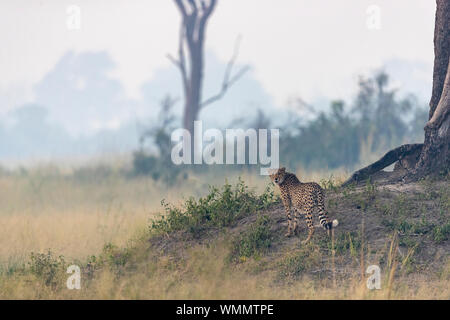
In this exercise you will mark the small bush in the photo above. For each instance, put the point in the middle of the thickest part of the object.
(159, 169)
(349, 241)
(253, 242)
(343, 242)
(298, 261)
(408, 228)
(47, 267)
(441, 233)
(220, 208)
(114, 257)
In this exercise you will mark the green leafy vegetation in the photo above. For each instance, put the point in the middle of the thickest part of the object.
(239, 239)
(348, 133)
(219, 208)
(441, 233)
(344, 136)
(408, 227)
(47, 268)
(253, 242)
(295, 263)
(346, 242)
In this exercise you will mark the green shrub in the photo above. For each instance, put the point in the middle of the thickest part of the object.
(343, 242)
(113, 256)
(349, 241)
(220, 208)
(441, 233)
(409, 228)
(47, 267)
(253, 242)
(298, 261)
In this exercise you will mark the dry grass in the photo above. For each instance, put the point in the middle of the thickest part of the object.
(205, 275)
(76, 217)
(72, 218)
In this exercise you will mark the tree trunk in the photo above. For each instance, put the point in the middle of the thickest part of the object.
(435, 156)
(195, 15)
(194, 91)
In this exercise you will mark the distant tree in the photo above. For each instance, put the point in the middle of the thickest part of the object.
(334, 138)
(195, 15)
(158, 166)
(328, 141)
(381, 113)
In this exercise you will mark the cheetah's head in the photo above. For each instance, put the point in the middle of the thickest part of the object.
(278, 176)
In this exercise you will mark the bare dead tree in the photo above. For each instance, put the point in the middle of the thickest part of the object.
(190, 61)
(433, 156)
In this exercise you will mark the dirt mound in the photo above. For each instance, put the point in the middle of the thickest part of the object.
(403, 225)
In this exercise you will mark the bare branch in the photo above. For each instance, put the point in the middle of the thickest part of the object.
(181, 7)
(189, 20)
(228, 81)
(173, 60)
(193, 5)
(203, 4)
(207, 10)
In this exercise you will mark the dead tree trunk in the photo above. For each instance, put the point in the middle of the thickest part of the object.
(434, 157)
(195, 15)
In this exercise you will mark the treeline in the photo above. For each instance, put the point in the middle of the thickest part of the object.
(377, 120)
(343, 136)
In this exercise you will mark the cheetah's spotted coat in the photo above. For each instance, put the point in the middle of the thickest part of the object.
(302, 198)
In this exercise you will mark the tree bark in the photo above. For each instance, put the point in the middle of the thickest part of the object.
(441, 52)
(435, 156)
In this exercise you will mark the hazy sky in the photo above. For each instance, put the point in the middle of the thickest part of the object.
(307, 48)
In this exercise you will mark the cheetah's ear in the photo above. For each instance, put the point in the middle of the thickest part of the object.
(282, 169)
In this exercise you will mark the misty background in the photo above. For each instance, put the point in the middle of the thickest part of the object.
(93, 91)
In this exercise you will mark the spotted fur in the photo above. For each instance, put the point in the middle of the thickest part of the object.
(302, 198)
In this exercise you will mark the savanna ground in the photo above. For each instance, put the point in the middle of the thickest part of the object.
(224, 242)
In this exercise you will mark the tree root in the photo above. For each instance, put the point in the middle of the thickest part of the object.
(389, 158)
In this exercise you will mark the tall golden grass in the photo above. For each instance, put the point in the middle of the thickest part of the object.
(205, 275)
(45, 209)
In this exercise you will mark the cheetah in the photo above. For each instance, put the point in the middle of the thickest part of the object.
(303, 198)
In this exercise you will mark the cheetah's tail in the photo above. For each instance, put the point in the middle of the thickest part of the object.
(331, 225)
(335, 223)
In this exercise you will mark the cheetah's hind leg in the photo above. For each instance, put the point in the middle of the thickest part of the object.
(310, 234)
(296, 221)
(309, 222)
